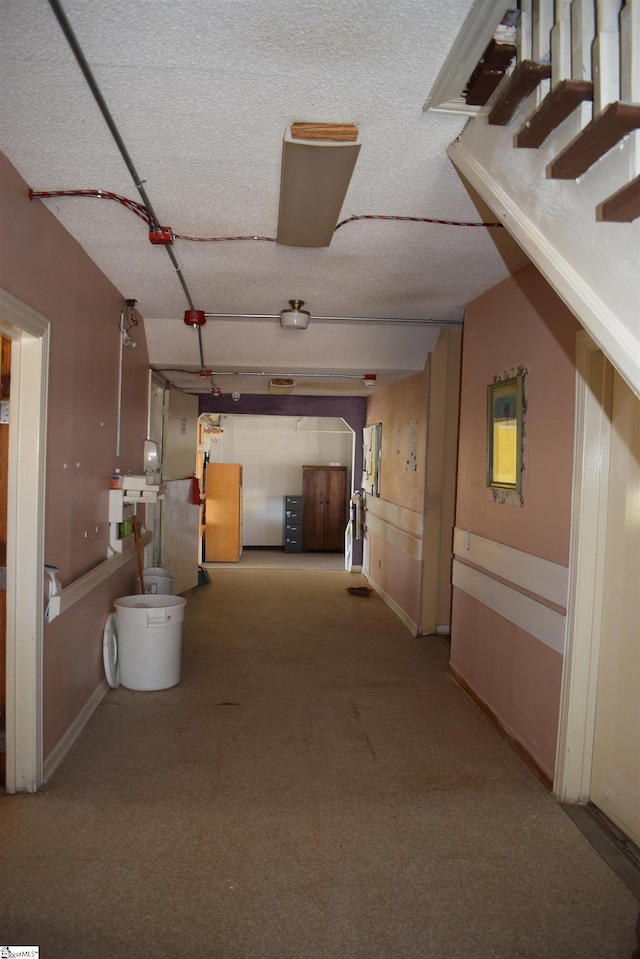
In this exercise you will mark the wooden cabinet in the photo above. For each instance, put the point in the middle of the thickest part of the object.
(223, 513)
(324, 491)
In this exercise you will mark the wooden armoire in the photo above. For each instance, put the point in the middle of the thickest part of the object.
(324, 493)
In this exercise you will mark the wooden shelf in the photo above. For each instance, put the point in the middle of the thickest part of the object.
(623, 206)
(556, 107)
(522, 82)
(597, 138)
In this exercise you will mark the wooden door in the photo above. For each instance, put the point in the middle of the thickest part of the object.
(223, 513)
(313, 489)
(324, 490)
(335, 508)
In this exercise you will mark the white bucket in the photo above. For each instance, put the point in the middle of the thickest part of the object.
(149, 640)
(158, 581)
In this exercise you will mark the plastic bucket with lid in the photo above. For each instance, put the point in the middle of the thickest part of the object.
(158, 581)
(149, 640)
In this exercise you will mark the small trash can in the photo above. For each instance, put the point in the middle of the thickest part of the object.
(149, 640)
(158, 581)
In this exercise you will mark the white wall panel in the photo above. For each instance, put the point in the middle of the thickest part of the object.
(545, 579)
(541, 621)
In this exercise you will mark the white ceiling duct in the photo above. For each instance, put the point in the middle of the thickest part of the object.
(317, 163)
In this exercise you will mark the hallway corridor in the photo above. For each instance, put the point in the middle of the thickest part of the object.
(316, 787)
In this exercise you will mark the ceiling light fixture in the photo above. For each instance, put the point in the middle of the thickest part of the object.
(295, 318)
(317, 163)
(281, 386)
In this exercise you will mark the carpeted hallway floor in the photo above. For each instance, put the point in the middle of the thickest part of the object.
(315, 788)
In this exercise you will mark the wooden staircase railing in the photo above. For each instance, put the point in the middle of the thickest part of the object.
(614, 117)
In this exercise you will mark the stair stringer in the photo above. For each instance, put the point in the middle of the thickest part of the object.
(593, 266)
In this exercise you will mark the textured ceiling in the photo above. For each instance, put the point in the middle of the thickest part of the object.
(202, 92)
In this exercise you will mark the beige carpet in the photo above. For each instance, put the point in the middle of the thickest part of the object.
(315, 788)
(258, 558)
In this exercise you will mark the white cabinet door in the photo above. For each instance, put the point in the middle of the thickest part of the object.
(179, 435)
(180, 530)
(180, 523)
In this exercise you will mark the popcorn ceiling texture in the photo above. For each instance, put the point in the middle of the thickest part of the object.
(202, 92)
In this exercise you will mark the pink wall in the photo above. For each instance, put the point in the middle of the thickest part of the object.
(414, 569)
(397, 573)
(516, 676)
(394, 407)
(391, 568)
(520, 322)
(42, 266)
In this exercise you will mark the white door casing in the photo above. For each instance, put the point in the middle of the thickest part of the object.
(592, 439)
(598, 755)
(615, 772)
(29, 333)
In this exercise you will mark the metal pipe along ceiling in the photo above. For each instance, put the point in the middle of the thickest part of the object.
(338, 319)
(76, 49)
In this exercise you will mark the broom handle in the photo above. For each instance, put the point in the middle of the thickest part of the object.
(136, 534)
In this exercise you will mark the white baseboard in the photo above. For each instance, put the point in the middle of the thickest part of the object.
(63, 746)
(400, 613)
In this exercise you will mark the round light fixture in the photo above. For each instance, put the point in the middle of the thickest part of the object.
(295, 318)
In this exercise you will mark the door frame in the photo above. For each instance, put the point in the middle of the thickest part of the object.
(29, 332)
(576, 727)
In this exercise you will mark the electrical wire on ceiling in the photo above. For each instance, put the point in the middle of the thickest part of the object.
(81, 60)
(413, 219)
(143, 213)
(163, 235)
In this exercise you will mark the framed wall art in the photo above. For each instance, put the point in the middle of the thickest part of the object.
(504, 434)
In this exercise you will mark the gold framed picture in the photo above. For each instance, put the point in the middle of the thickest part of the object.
(504, 434)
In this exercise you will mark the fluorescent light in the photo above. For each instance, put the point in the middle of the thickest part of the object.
(317, 164)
